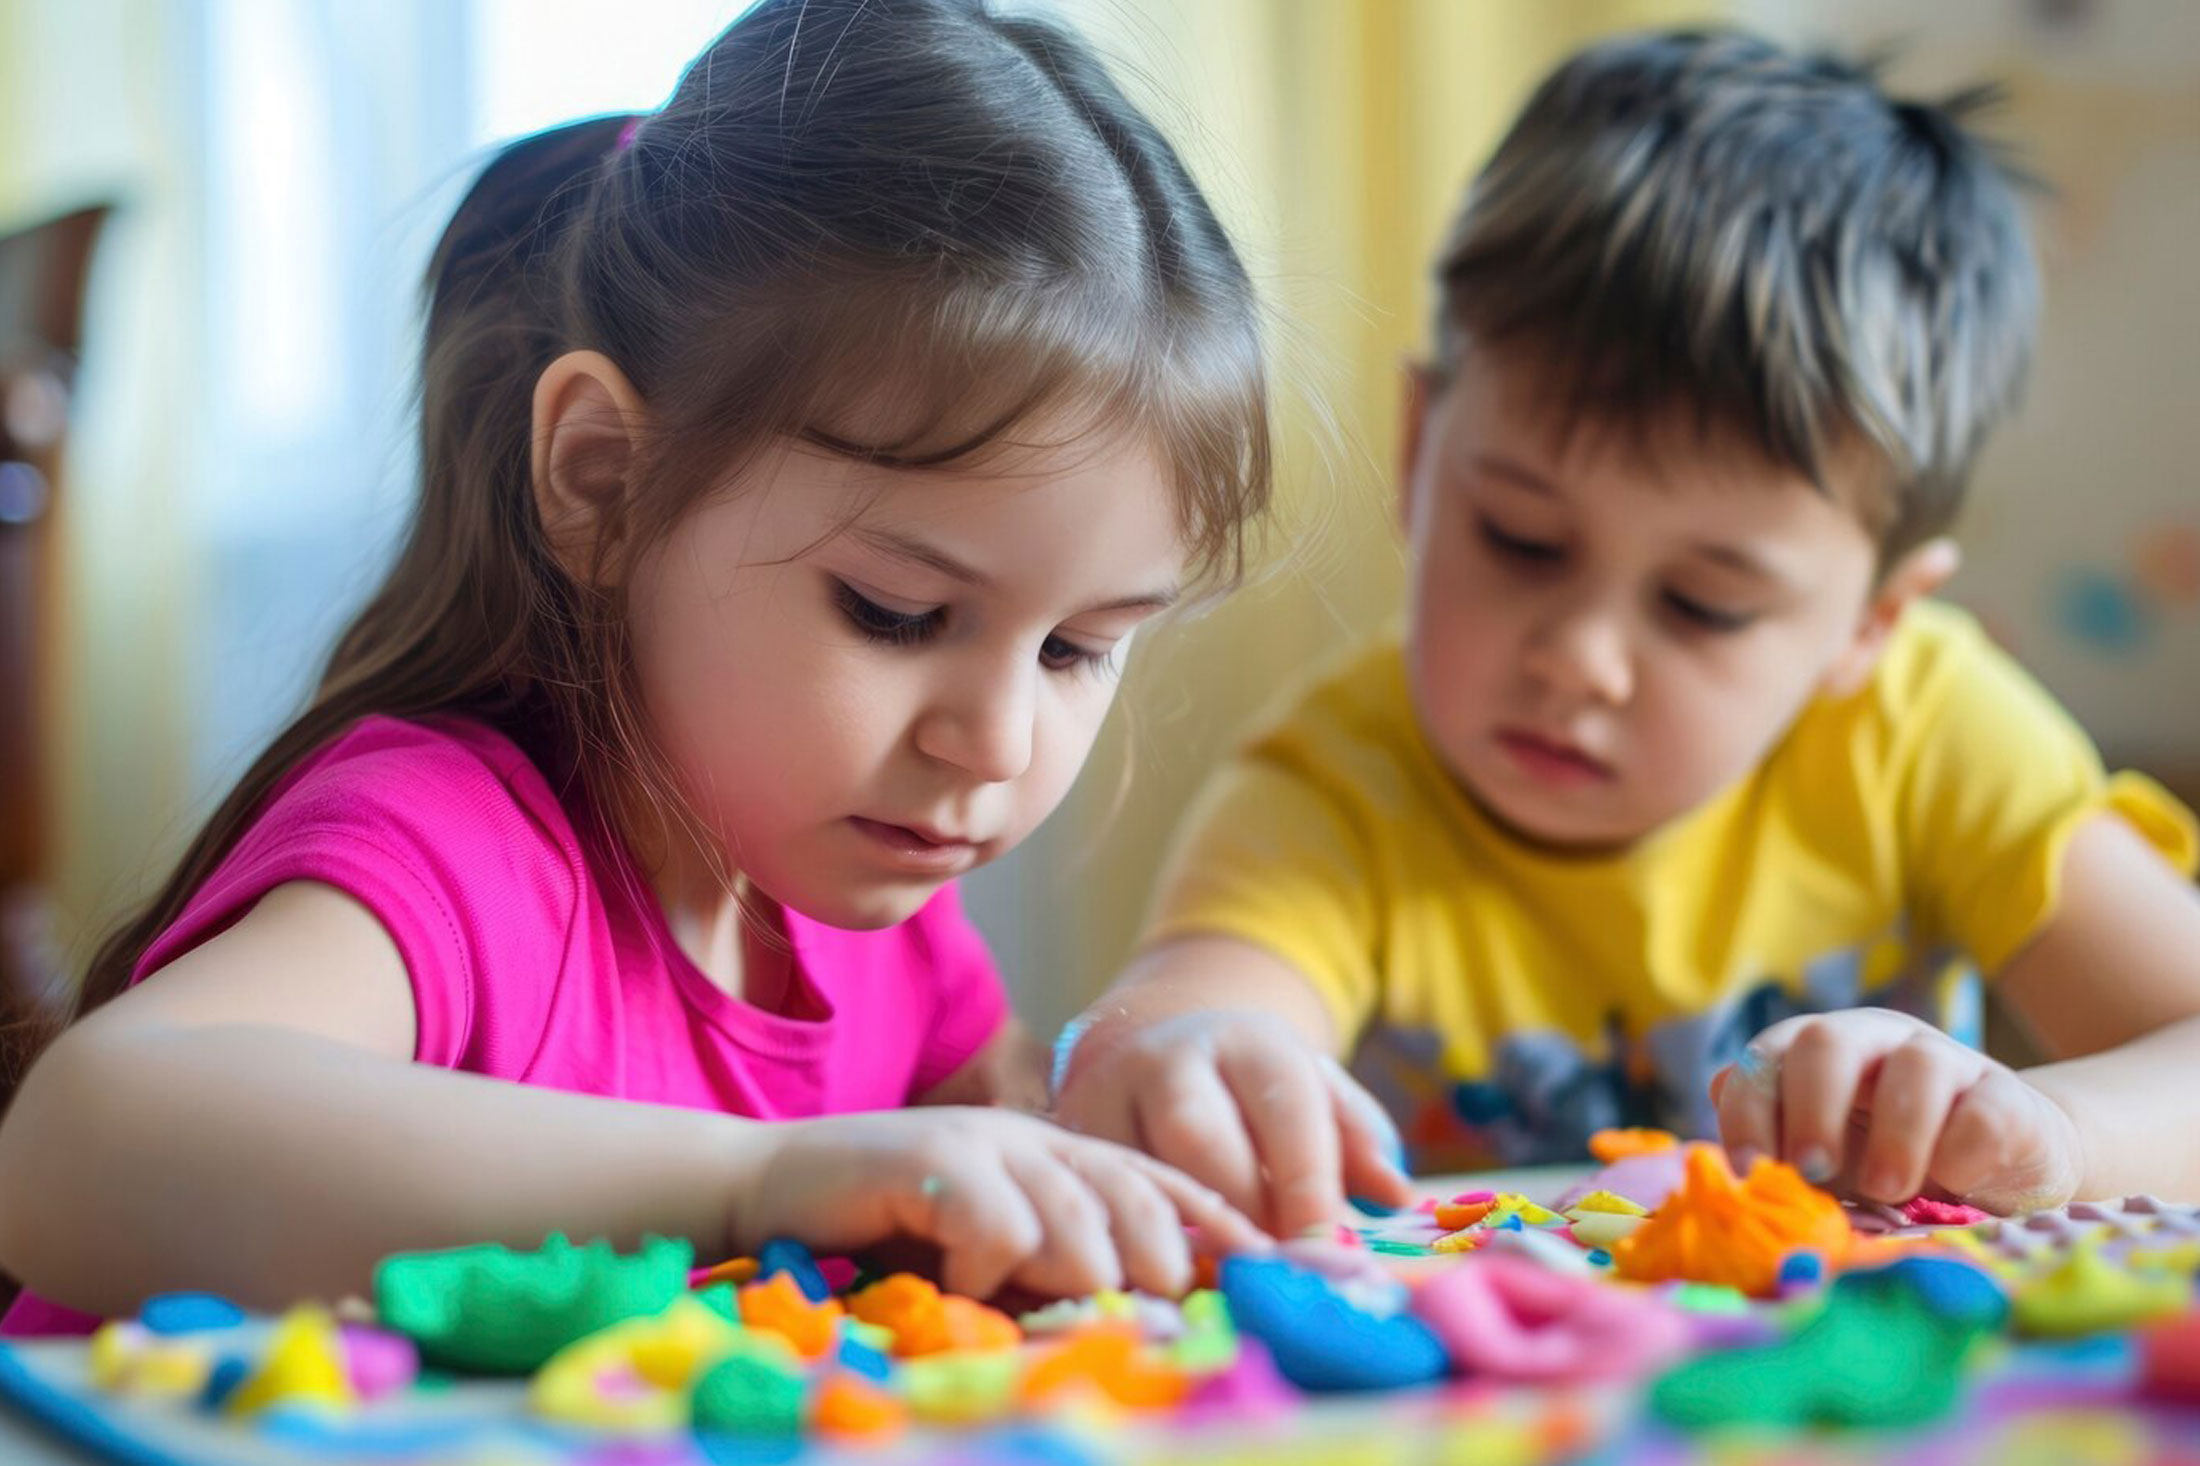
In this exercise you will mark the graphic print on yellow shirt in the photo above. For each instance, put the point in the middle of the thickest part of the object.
(1512, 1000)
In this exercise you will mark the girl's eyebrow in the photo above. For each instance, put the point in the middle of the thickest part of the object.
(907, 547)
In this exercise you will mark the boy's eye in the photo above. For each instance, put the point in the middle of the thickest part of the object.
(882, 623)
(1709, 618)
(1516, 547)
(1059, 655)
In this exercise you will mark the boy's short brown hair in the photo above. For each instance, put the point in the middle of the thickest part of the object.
(1699, 219)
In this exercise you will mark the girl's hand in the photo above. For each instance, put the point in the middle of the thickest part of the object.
(1883, 1105)
(1008, 1198)
(1241, 1101)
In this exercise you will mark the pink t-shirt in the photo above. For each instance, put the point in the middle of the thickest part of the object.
(539, 958)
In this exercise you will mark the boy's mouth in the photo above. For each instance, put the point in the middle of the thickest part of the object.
(1552, 761)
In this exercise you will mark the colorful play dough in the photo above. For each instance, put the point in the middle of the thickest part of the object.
(1716, 1229)
(304, 1364)
(1319, 1340)
(2088, 1294)
(492, 1310)
(1887, 1349)
(1511, 1318)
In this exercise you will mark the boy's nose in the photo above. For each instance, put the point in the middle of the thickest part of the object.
(1584, 653)
(981, 722)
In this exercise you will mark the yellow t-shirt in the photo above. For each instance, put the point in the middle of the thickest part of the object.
(1513, 1000)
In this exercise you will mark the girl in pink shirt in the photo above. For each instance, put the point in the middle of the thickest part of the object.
(797, 462)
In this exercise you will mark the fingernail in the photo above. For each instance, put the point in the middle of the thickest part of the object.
(1369, 1207)
(1816, 1163)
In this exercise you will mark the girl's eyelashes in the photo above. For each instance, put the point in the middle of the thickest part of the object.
(1058, 655)
(890, 627)
(883, 623)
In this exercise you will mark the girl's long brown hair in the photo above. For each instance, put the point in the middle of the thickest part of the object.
(851, 212)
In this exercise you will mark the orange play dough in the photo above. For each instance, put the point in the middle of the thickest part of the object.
(1716, 1229)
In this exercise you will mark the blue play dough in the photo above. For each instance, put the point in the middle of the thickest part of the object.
(229, 1372)
(785, 1255)
(189, 1313)
(861, 1358)
(1956, 1291)
(1801, 1268)
(1321, 1342)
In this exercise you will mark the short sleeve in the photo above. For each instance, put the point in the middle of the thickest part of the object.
(447, 840)
(1996, 780)
(969, 1004)
(1270, 857)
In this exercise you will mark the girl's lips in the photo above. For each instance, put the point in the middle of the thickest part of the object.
(1550, 762)
(914, 849)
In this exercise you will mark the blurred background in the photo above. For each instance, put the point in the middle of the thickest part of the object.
(198, 486)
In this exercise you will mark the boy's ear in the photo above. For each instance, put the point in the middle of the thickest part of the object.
(1921, 572)
(582, 454)
(1421, 387)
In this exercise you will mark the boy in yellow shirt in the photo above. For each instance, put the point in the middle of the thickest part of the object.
(1678, 803)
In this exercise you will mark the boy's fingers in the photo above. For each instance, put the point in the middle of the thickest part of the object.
(1287, 1109)
(1189, 1119)
(1820, 1071)
(1374, 1156)
(1749, 1106)
(1916, 1088)
(1998, 1151)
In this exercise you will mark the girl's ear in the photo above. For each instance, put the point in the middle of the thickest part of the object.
(1921, 572)
(582, 452)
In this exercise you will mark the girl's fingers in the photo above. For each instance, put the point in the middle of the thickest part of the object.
(1076, 1253)
(1373, 1155)
(1916, 1088)
(1189, 1119)
(984, 1223)
(1222, 1227)
(1143, 1223)
(1287, 1109)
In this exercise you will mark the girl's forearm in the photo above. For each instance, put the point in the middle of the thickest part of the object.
(269, 1165)
(2137, 1113)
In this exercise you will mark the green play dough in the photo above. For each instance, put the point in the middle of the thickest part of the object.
(749, 1394)
(1878, 1353)
(493, 1310)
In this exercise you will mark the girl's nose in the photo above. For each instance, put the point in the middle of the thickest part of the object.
(981, 720)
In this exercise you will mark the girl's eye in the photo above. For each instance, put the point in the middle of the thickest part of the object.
(1708, 618)
(882, 623)
(1058, 655)
(1513, 547)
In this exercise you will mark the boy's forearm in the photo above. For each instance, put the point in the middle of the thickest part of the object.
(1191, 975)
(2137, 1113)
(269, 1165)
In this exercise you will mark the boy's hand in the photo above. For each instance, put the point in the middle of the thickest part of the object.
(1007, 1197)
(1240, 1101)
(1883, 1105)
